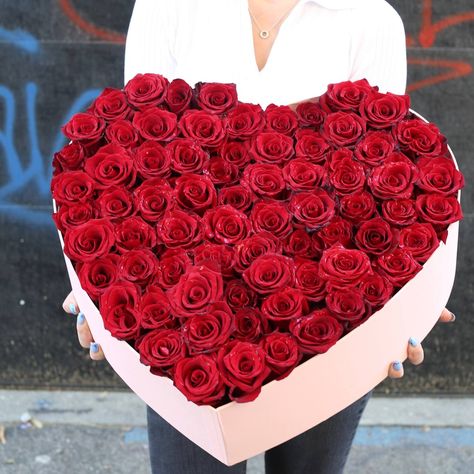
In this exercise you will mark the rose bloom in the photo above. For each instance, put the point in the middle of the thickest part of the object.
(281, 119)
(282, 353)
(250, 325)
(317, 332)
(243, 367)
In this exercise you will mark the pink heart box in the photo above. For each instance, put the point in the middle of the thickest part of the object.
(314, 391)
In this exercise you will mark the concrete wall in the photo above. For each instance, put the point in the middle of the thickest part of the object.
(55, 55)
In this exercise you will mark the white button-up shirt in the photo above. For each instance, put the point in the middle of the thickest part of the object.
(320, 42)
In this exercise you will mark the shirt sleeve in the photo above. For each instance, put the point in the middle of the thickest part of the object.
(378, 50)
(150, 39)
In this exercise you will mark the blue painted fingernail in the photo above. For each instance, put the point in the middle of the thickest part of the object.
(453, 317)
(413, 342)
(72, 308)
(397, 365)
(80, 318)
(94, 347)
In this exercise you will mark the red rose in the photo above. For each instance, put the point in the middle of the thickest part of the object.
(238, 295)
(155, 309)
(70, 157)
(186, 156)
(115, 203)
(312, 146)
(111, 105)
(302, 175)
(394, 178)
(179, 229)
(112, 165)
(343, 128)
(195, 192)
(271, 216)
(249, 325)
(226, 225)
(271, 147)
(153, 198)
(437, 209)
(284, 305)
(244, 121)
(221, 172)
(344, 267)
(281, 119)
(310, 114)
(156, 124)
(383, 110)
(123, 133)
(420, 138)
(375, 236)
(253, 247)
(152, 160)
(399, 211)
(309, 281)
(178, 95)
(398, 266)
(270, 273)
(219, 257)
(73, 215)
(376, 290)
(84, 127)
(173, 264)
(346, 95)
(118, 306)
(312, 209)
(97, 275)
(161, 349)
(282, 353)
(347, 305)
(419, 239)
(243, 368)
(374, 148)
(215, 97)
(299, 243)
(357, 207)
(338, 155)
(89, 241)
(439, 175)
(196, 290)
(347, 176)
(138, 266)
(239, 197)
(236, 152)
(72, 187)
(337, 231)
(198, 378)
(134, 233)
(207, 129)
(317, 332)
(145, 90)
(207, 332)
(265, 180)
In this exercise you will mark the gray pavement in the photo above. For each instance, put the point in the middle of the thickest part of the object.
(102, 432)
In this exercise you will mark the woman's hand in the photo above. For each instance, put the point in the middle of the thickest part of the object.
(83, 332)
(415, 350)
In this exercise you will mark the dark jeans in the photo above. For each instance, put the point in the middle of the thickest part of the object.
(321, 450)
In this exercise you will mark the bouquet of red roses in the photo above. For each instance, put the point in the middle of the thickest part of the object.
(226, 243)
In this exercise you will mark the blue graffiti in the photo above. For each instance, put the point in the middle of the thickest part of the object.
(19, 176)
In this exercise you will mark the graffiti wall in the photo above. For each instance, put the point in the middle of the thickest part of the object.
(56, 55)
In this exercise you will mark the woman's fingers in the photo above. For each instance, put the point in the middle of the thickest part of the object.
(83, 332)
(95, 351)
(70, 304)
(415, 351)
(446, 316)
(395, 370)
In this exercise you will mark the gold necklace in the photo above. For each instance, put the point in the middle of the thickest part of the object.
(265, 33)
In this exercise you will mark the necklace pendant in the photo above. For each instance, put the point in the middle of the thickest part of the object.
(264, 34)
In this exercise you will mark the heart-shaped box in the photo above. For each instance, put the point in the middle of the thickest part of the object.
(314, 391)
